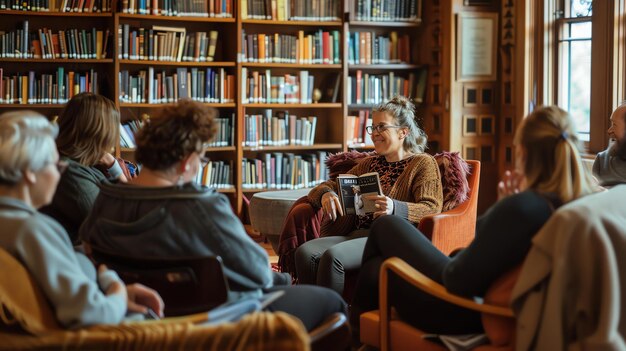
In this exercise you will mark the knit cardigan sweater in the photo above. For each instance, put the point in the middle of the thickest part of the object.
(416, 193)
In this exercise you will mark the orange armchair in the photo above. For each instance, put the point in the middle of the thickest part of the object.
(381, 329)
(455, 229)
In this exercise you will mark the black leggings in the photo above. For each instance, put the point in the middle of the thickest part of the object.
(393, 236)
(309, 303)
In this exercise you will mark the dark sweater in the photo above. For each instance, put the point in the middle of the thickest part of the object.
(503, 239)
(74, 197)
(178, 222)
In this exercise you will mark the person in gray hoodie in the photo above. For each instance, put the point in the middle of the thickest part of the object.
(163, 214)
(609, 167)
(30, 170)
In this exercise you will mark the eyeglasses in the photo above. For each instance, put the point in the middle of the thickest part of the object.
(61, 166)
(380, 128)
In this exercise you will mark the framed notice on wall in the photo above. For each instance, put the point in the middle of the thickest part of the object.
(476, 40)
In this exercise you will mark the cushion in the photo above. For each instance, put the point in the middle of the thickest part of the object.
(342, 162)
(22, 303)
(454, 171)
(500, 330)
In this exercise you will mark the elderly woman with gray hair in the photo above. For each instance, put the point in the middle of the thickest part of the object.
(411, 186)
(30, 170)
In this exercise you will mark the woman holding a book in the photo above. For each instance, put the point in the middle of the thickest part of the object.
(411, 188)
(162, 213)
(88, 132)
(548, 172)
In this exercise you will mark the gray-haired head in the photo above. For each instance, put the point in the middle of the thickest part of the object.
(403, 112)
(26, 143)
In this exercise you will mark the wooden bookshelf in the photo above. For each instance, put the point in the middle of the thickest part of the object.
(175, 63)
(294, 23)
(55, 14)
(330, 79)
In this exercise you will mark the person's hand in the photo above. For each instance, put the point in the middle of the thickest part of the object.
(383, 204)
(108, 160)
(511, 183)
(331, 205)
(140, 298)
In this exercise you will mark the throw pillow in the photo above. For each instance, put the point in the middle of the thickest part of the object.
(342, 162)
(454, 171)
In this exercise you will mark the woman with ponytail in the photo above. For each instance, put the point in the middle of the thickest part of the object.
(548, 173)
(411, 186)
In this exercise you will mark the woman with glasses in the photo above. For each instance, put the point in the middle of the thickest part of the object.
(88, 131)
(410, 182)
(29, 173)
(548, 172)
(162, 213)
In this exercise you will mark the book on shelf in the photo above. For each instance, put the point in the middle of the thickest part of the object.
(355, 190)
(151, 86)
(387, 10)
(163, 43)
(179, 8)
(356, 125)
(216, 174)
(85, 6)
(262, 87)
(372, 48)
(284, 170)
(285, 48)
(225, 132)
(47, 88)
(365, 88)
(280, 130)
(291, 10)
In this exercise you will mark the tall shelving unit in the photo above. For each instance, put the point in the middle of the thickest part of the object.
(331, 122)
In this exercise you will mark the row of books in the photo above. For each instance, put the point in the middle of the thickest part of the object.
(377, 88)
(211, 86)
(225, 133)
(386, 10)
(193, 8)
(216, 174)
(282, 129)
(163, 43)
(370, 48)
(56, 88)
(284, 171)
(291, 10)
(259, 87)
(57, 5)
(319, 47)
(45, 44)
(356, 123)
(128, 131)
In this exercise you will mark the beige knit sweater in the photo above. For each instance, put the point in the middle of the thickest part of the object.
(416, 193)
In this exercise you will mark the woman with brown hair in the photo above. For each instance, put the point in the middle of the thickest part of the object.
(163, 214)
(548, 172)
(88, 132)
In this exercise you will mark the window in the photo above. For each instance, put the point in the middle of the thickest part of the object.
(573, 83)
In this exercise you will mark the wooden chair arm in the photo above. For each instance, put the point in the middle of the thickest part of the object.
(419, 280)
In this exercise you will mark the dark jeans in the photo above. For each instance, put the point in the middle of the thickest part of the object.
(392, 236)
(311, 304)
(324, 261)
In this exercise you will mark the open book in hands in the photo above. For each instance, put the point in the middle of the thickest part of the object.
(354, 190)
